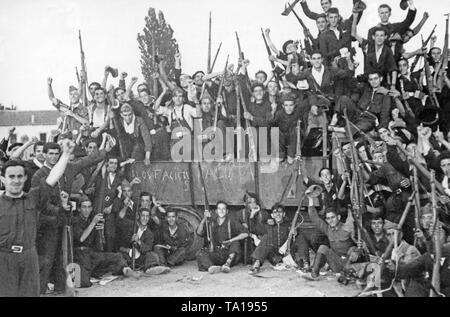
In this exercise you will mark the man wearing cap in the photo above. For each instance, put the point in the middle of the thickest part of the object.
(76, 114)
(135, 135)
(19, 211)
(289, 49)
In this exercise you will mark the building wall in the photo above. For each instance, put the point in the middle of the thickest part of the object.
(30, 131)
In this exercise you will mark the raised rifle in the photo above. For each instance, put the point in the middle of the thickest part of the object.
(416, 59)
(287, 9)
(430, 83)
(441, 68)
(155, 64)
(305, 28)
(300, 163)
(269, 52)
(313, 191)
(407, 106)
(205, 197)
(359, 206)
(84, 77)
(78, 75)
(134, 256)
(219, 94)
(252, 154)
(215, 57)
(436, 234)
(242, 57)
(208, 67)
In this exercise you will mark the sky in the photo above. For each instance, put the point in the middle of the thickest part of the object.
(39, 38)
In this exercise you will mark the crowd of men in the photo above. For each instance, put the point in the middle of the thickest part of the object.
(389, 128)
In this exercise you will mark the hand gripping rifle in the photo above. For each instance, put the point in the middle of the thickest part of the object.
(133, 244)
(313, 191)
(205, 196)
(430, 82)
(436, 234)
(242, 57)
(416, 59)
(219, 95)
(276, 70)
(305, 28)
(252, 154)
(100, 241)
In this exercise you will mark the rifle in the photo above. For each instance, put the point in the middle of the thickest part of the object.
(84, 77)
(300, 166)
(208, 67)
(133, 244)
(443, 63)
(269, 53)
(436, 234)
(242, 57)
(100, 241)
(287, 9)
(205, 197)
(305, 28)
(358, 205)
(219, 94)
(78, 75)
(416, 59)
(430, 84)
(72, 270)
(155, 64)
(215, 57)
(313, 191)
(252, 155)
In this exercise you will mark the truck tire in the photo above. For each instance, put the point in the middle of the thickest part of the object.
(191, 219)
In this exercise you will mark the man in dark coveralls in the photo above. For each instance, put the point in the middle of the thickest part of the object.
(19, 211)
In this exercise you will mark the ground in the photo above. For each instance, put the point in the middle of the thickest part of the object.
(187, 281)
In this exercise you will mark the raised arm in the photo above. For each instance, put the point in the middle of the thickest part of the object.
(354, 29)
(308, 12)
(419, 26)
(105, 77)
(58, 170)
(269, 41)
(17, 154)
(129, 90)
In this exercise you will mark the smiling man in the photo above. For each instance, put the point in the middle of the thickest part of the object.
(19, 212)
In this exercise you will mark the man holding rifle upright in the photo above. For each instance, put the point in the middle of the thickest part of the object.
(226, 234)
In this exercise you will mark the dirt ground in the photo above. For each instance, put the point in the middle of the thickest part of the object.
(187, 281)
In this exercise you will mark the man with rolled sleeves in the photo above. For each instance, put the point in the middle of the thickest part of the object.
(226, 234)
(174, 239)
(19, 212)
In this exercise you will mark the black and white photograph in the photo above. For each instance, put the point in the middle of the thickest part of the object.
(224, 154)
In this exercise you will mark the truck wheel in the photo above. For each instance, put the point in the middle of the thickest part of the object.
(190, 218)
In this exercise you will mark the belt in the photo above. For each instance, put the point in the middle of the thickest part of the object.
(82, 248)
(13, 249)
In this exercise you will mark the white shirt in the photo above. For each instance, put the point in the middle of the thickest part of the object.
(189, 113)
(337, 32)
(140, 231)
(378, 52)
(98, 117)
(37, 163)
(129, 128)
(318, 75)
(111, 178)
